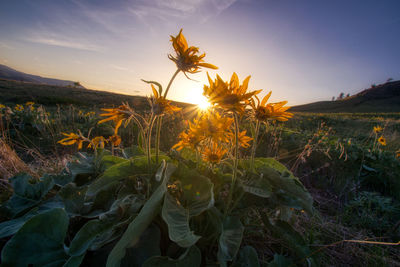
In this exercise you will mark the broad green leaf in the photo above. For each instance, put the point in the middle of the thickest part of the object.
(147, 247)
(40, 241)
(247, 258)
(28, 192)
(9, 228)
(177, 219)
(110, 160)
(132, 151)
(230, 239)
(281, 261)
(86, 235)
(197, 196)
(149, 211)
(192, 258)
(81, 165)
(74, 199)
(118, 172)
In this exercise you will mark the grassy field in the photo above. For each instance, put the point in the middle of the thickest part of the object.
(353, 177)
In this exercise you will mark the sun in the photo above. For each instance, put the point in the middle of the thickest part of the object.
(202, 103)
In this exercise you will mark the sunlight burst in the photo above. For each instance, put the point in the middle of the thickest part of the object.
(203, 103)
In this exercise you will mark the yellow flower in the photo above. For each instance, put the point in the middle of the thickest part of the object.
(115, 139)
(242, 138)
(214, 154)
(116, 114)
(382, 141)
(30, 103)
(160, 105)
(19, 107)
(187, 58)
(230, 96)
(98, 141)
(189, 139)
(72, 138)
(377, 129)
(271, 111)
(2, 106)
(213, 125)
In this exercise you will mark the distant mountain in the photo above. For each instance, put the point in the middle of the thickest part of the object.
(8, 73)
(381, 98)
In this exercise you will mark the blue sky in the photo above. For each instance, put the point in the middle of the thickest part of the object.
(302, 50)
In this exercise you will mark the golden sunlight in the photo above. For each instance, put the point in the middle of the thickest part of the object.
(202, 103)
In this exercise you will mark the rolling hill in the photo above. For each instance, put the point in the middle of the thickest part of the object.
(381, 98)
(8, 73)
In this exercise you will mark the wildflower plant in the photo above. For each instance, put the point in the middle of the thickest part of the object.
(171, 208)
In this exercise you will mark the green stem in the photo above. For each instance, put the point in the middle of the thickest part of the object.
(159, 122)
(254, 147)
(151, 122)
(170, 82)
(235, 164)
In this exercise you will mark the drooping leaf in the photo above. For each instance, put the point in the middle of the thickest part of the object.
(74, 199)
(192, 258)
(141, 222)
(247, 258)
(86, 235)
(40, 241)
(118, 172)
(230, 239)
(177, 219)
(28, 192)
(145, 248)
(198, 196)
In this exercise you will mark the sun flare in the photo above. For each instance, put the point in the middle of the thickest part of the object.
(203, 103)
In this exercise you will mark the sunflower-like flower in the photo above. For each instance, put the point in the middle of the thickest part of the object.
(242, 138)
(160, 105)
(382, 141)
(229, 96)
(213, 125)
(189, 139)
(271, 111)
(115, 139)
(2, 106)
(187, 58)
(377, 129)
(96, 142)
(398, 154)
(19, 107)
(73, 138)
(214, 153)
(118, 115)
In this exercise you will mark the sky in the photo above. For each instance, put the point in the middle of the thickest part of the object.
(301, 50)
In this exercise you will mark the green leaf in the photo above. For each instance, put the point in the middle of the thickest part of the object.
(192, 258)
(281, 261)
(118, 172)
(28, 192)
(197, 196)
(132, 151)
(177, 219)
(110, 160)
(86, 235)
(247, 258)
(141, 222)
(230, 239)
(74, 199)
(40, 241)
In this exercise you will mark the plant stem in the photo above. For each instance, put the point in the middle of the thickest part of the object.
(253, 149)
(158, 131)
(235, 164)
(170, 82)
(149, 130)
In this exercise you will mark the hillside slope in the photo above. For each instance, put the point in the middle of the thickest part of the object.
(381, 98)
(11, 74)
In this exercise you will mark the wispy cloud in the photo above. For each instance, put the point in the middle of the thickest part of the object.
(50, 39)
(6, 46)
(120, 68)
